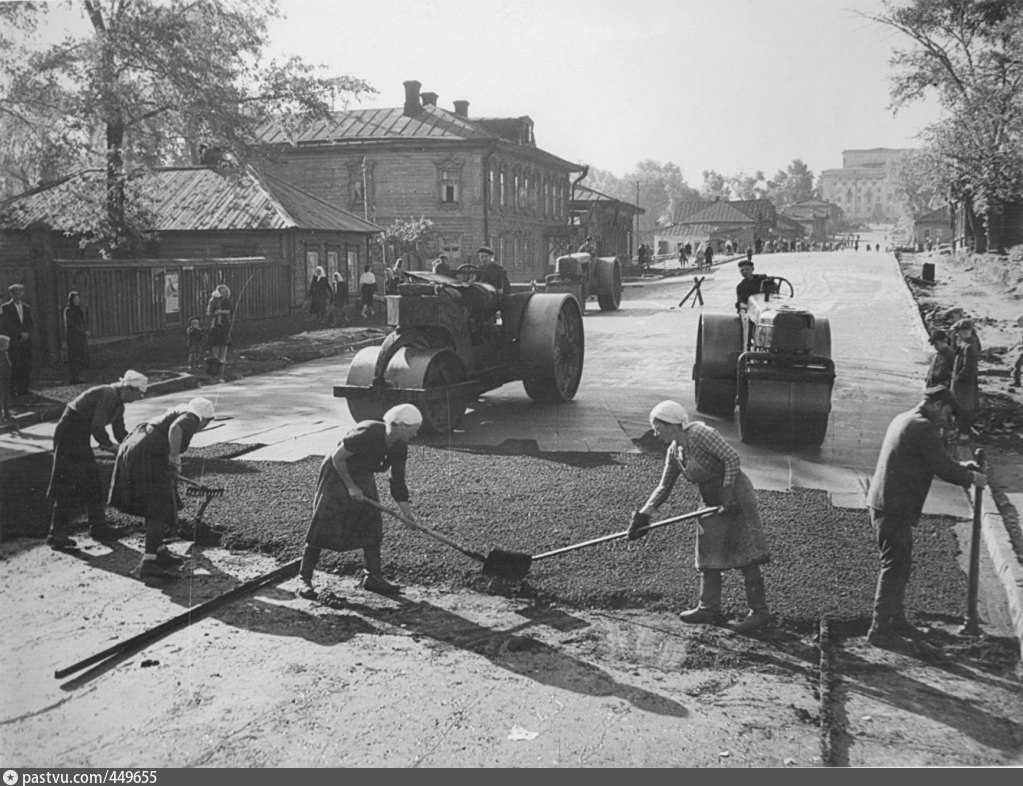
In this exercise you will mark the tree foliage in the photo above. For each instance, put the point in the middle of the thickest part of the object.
(737, 186)
(791, 185)
(654, 186)
(966, 53)
(144, 83)
(409, 235)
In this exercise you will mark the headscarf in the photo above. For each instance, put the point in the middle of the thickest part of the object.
(135, 380)
(670, 412)
(403, 415)
(318, 273)
(71, 299)
(223, 290)
(202, 407)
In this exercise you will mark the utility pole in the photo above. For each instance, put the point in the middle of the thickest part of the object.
(635, 240)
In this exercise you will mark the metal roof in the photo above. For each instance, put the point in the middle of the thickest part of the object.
(379, 124)
(587, 194)
(196, 199)
(718, 213)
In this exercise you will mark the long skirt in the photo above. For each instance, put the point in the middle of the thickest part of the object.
(734, 539)
(75, 474)
(339, 523)
(142, 484)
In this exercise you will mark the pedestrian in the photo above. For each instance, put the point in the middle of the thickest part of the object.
(390, 282)
(940, 370)
(342, 519)
(339, 299)
(220, 311)
(731, 540)
(911, 455)
(708, 256)
(194, 339)
(319, 295)
(493, 273)
(76, 336)
(146, 472)
(5, 378)
(441, 266)
(965, 381)
(16, 323)
(1017, 366)
(367, 291)
(74, 478)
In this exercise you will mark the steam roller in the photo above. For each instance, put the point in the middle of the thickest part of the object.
(773, 362)
(453, 340)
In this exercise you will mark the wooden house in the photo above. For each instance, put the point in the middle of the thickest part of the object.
(259, 235)
(609, 221)
(479, 180)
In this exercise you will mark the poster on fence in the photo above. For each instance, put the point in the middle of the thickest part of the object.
(171, 302)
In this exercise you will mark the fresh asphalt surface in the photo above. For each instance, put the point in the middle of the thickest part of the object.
(634, 358)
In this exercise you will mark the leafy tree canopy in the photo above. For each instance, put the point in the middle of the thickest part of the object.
(654, 186)
(144, 83)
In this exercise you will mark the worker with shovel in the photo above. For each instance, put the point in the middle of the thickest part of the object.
(732, 539)
(344, 514)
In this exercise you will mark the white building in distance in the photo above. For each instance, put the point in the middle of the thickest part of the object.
(865, 186)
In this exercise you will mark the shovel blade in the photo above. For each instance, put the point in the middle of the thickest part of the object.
(507, 564)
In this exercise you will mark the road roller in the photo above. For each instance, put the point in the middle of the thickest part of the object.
(586, 276)
(773, 361)
(454, 338)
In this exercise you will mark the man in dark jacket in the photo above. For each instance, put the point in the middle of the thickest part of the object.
(749, 285)
(911, 455)
(16, 322)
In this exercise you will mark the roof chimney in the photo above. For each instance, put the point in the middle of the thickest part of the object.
(429, 99)
(462, 108)
(412, 105)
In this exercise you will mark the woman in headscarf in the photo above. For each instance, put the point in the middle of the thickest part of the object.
(146, 471)
(342, 519)
(733, 539)
(74, 478)
(965, 380)
(339, 298)
(319, 295)
(220, 311)
(76, 334)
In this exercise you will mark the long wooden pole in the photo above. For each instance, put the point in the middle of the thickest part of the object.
(971, 625)
(183, 620)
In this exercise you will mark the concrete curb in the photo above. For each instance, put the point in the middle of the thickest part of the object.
(1007, 565)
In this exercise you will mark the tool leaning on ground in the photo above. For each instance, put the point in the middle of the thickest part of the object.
(515, 565)
(199, 531)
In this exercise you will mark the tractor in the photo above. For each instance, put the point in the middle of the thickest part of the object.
(455, 338)
(773, 361)
(586, 276)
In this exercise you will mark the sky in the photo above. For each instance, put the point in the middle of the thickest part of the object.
(729, 85)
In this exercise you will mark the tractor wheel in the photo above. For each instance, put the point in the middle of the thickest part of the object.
(551, 346)
(431, 368)
(718, 343)
(360, 373)
(821, 337)
(610, 283)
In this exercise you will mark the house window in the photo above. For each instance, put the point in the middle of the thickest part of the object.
(450, 187)
(312, 261)
(516, 190)
(502, 191)
(490, 186)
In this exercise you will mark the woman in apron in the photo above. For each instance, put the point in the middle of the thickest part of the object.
(730, 540)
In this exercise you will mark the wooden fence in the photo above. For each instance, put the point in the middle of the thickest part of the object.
(133, 297)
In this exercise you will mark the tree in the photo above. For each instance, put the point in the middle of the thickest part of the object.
(409, 235)
(154, 82)
(659, 187)
(715, 185)
(965, 52)
(791, 185)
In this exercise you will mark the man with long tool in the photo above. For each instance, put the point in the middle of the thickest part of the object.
(911, 455)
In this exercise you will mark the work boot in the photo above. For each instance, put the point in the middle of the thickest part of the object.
(708, 611)
(306, 589)
(372, 582)
(902, 626)
(164, 565)
(103, 530)
(756, 596)
(884, 636)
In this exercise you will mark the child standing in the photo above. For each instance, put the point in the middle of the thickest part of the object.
(5, 378)
(195, 342)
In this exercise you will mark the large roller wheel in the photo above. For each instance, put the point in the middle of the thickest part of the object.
(551, 346)
(431, 368)
(821, 337)
(610, 282)
(361, 373)
(718, 343)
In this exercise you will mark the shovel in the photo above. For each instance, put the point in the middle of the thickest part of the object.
(515, 565)
(427, 531)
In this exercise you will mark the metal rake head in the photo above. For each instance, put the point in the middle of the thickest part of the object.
(204, 491)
